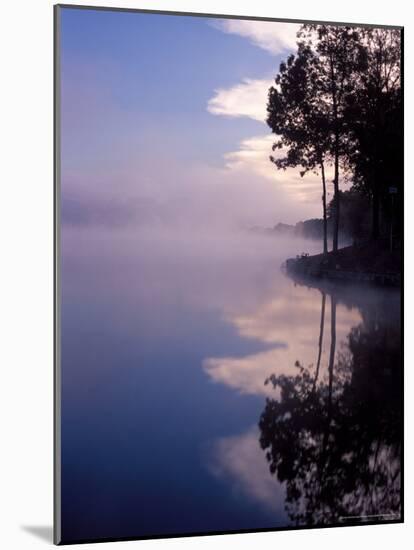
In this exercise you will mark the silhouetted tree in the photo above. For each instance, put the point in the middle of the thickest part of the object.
(337, 50)
(307, 106)
(300, 121)
(336, 445)
(374, 114)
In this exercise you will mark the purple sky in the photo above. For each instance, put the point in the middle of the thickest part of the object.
(163, 122)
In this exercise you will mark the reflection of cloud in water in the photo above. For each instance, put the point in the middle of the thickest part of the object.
(291, 321)
(240, 460)
(246, 374)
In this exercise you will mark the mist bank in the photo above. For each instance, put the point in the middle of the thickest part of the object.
(210, 267)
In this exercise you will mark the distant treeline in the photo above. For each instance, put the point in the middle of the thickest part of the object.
(355, 223)
(307, 229)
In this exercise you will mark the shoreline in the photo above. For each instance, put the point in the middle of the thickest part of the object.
(364, 264)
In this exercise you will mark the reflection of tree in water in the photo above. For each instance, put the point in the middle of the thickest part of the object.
(336, 441)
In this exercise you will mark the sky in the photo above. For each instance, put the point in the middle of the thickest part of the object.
(163, 123)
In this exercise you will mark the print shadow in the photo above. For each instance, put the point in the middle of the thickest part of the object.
(43, 532)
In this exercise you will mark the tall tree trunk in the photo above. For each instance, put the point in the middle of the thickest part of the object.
(332, 353)
(336, 156)
(330, 382)
(336, 197)
(376, 174)
(325, 220)
(375, 211)
(321, 328)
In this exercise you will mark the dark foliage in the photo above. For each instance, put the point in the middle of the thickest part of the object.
(338, 102)
(335, 442)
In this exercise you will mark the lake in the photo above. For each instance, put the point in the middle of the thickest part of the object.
(168, 424)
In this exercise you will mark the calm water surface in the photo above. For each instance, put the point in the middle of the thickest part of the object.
(168, 425)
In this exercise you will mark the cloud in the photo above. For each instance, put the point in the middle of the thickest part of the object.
(253, 154)
(247, 375)
(252, 157)
(275, 38)
(241, 460)
(247, 99)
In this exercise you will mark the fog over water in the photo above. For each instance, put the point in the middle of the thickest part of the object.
(203, 389)
(168, 337)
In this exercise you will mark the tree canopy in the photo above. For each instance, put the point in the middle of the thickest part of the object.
(337, 101)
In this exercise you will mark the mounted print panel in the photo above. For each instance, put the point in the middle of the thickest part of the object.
(229, 244)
